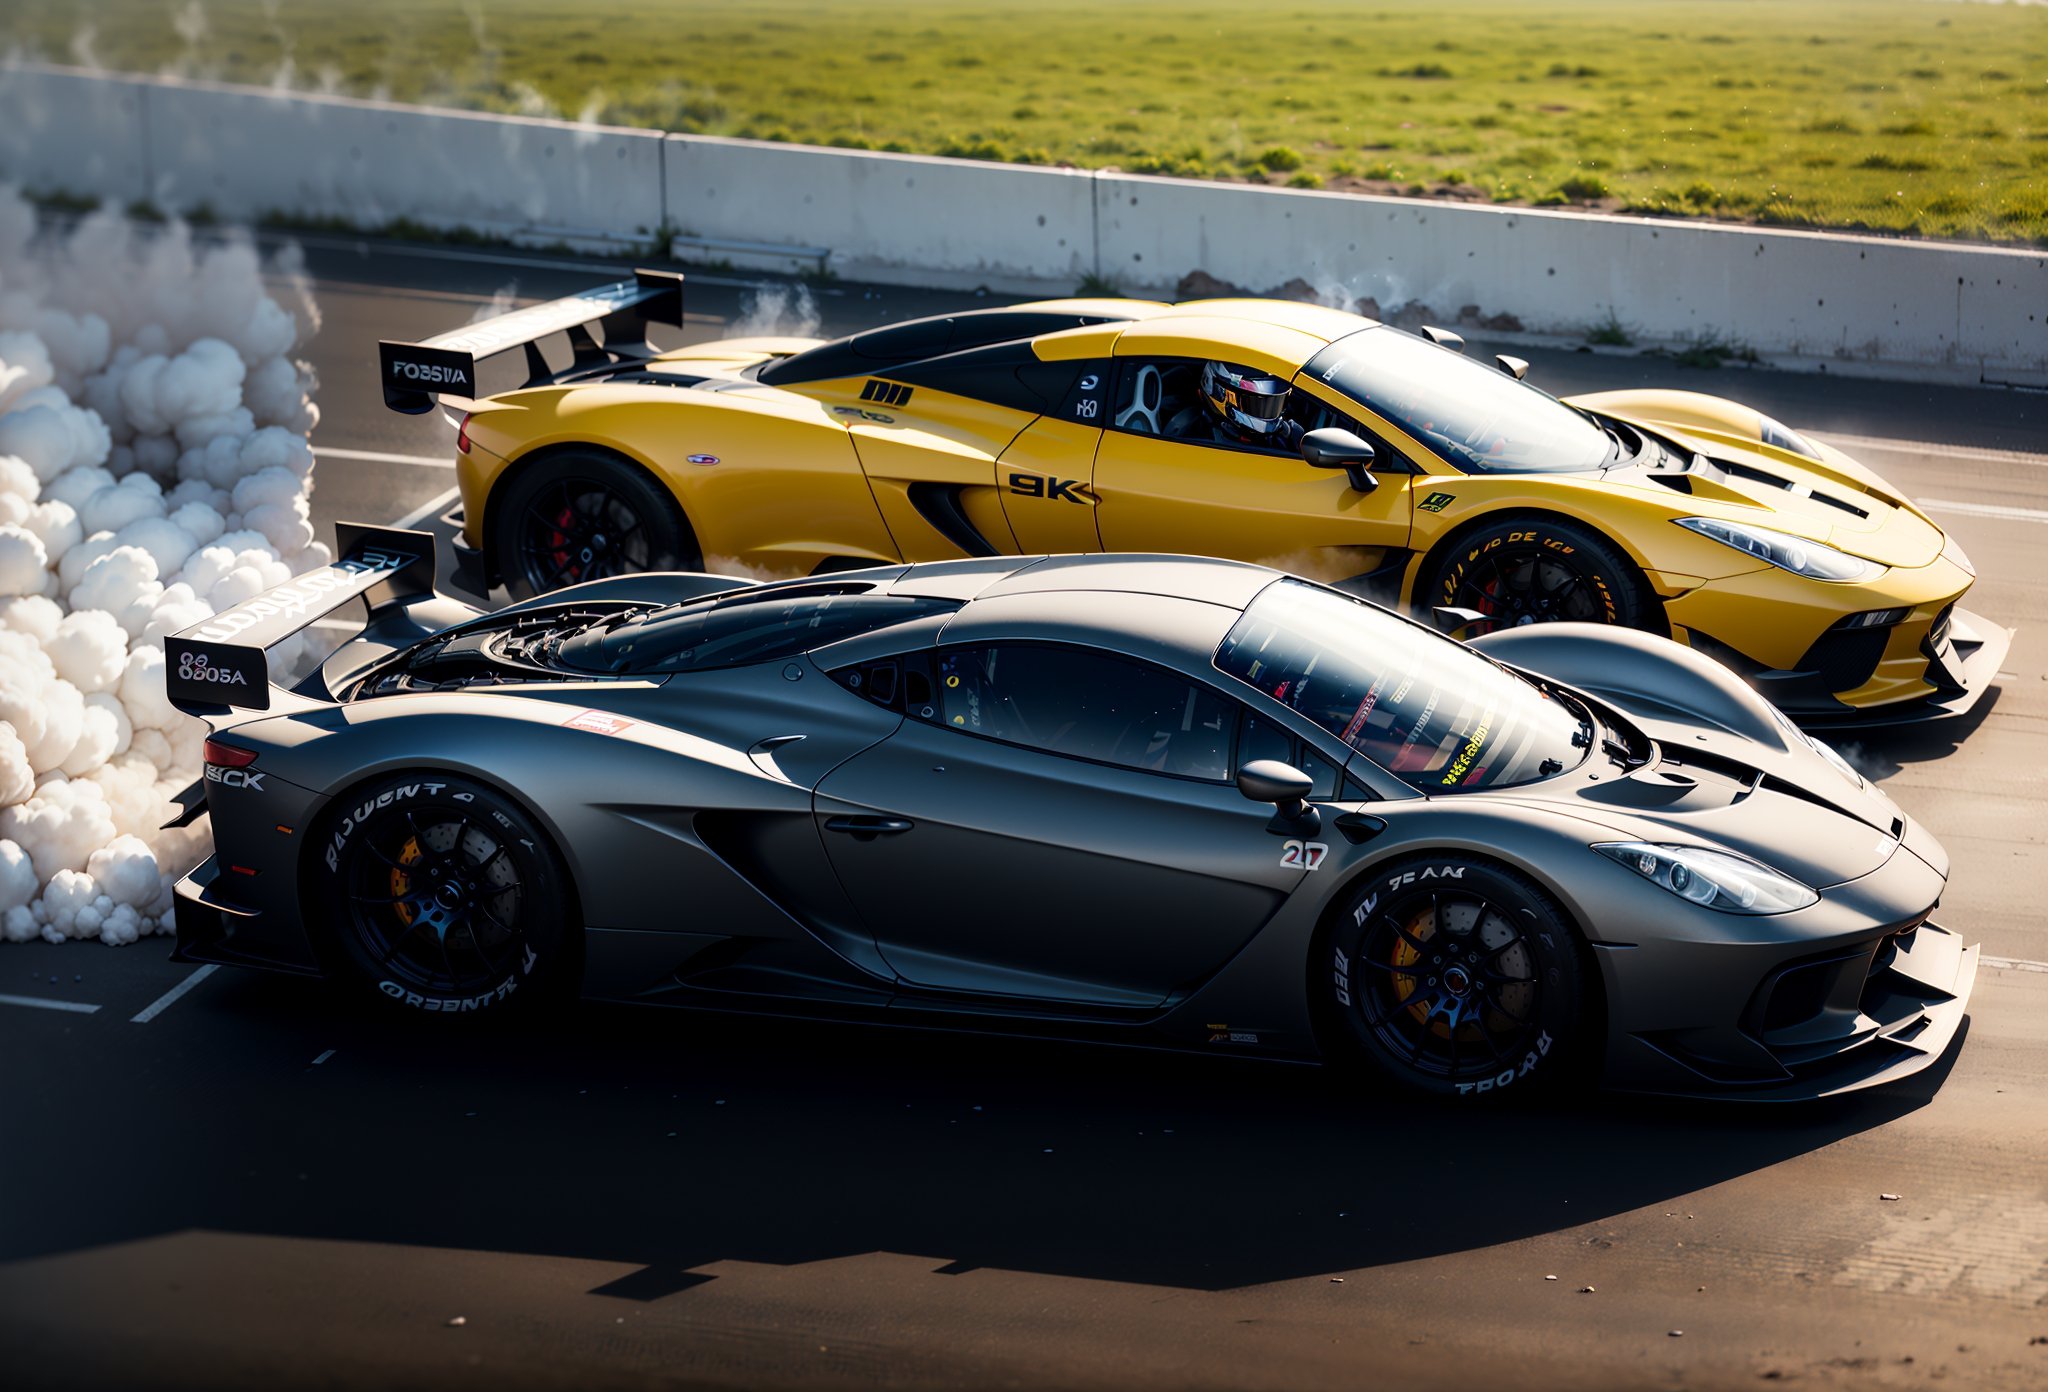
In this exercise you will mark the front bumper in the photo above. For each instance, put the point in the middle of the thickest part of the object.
(1858, 990)
(1964, 652)
(1834, 1023)
(1934, 664)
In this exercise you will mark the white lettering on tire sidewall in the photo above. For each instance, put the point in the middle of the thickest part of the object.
(460, 1005)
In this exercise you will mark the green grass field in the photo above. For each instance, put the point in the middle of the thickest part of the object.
(1914, 116)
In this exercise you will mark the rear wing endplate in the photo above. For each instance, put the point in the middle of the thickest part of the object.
(413, 374)
(221, 663)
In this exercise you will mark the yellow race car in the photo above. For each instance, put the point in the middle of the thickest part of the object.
(1290, 434)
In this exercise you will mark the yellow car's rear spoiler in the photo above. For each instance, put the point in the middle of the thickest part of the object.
(445, 365)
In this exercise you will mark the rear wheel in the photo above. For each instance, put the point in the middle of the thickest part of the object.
(1456, 978)
(444, 897)
(585, 515)
(1524, 570)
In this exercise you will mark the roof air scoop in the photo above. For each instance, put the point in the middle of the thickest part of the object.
(1444, 338)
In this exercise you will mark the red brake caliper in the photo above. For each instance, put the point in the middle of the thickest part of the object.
(561, 540)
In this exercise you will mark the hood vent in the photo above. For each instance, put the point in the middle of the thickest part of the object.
(1771, 480)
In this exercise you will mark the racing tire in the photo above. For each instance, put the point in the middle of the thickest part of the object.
(1538, 569)
(441, 896)
(582, 514)
(1456, 978)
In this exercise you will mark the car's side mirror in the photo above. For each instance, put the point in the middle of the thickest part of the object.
(1517, 368)
(1287, 788)
(1331, 448)
(1444, 338)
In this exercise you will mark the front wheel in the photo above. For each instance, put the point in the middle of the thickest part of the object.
(1456, 978)
(442, 896)
(1524, 570)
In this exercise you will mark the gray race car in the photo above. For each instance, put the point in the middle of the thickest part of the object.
(1154, 799)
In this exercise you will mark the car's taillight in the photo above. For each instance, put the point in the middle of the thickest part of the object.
(462, 434)
(227, 755)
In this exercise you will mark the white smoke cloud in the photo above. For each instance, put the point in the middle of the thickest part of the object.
(777, 310)
(154, 469)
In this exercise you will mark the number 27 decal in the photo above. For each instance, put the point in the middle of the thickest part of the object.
(1304, 855)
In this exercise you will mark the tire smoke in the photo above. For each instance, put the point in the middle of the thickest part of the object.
(154, 468)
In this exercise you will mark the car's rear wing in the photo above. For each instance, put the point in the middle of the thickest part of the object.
(445, 365)
(221, 664)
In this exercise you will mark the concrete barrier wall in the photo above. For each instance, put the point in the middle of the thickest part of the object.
(1876, 304)
(244, 153)
(942, 222)
(1822, 296)
(72, 133)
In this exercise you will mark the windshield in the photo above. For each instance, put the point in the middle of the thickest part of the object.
(1476, 417)
(1437, 715)
(735, 629)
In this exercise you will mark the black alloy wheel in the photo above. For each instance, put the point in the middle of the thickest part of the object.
(446, 898)
(578, 516)
(1457, 978)
(1537, 570)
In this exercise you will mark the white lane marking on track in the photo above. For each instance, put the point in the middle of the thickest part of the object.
(2013, 964)
(43, 1003)
(430, 508)
(423, 461)
(1988, 456)
(170, 998)
(2010, 514)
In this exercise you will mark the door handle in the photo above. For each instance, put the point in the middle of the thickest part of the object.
(868, 828)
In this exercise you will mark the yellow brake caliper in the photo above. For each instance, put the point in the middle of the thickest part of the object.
(401, 883)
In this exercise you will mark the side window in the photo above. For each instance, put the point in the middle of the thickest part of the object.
(1159, 396)
(894, 683)
(1085, 705)
(1262, 738)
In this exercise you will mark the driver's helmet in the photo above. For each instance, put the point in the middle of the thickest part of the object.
(1251, 405)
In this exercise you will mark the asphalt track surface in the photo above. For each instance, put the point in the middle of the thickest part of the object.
(216, 1179)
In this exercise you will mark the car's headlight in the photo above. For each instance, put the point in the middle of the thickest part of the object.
(1785, 551)
(1718, 880)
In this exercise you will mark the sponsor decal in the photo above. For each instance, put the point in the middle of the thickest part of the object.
(194, 667)
(235, 778)
(439, 374)
(599, 723)
(1303, 855)
(356, 816)
(296, 597)
(705, 459)
(856, 411)
(1051, 489)
(1224, 1034)
(1510, 1075)
(1436, 502)
(1462, 765)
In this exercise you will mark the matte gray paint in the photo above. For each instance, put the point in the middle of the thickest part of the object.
(1065, 895)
